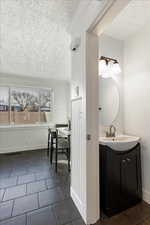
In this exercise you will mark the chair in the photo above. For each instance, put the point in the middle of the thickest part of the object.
(48, 143)
(51, 138)
(49, 133)
(61, 125)
(58, 144)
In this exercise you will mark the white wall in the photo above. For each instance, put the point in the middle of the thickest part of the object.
(137, 96)
(113, 48)
(17, 139)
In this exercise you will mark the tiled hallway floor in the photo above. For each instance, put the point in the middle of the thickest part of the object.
(32, 194)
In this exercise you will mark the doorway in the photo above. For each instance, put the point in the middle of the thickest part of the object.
(120, 42)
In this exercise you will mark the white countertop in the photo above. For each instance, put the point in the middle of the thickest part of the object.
(120, 142)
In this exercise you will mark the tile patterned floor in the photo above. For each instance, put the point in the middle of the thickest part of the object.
(31, 193)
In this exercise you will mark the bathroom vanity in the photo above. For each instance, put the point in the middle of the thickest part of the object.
(120, 174)
(120, 155)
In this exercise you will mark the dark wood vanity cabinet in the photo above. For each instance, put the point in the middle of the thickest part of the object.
(120, 179)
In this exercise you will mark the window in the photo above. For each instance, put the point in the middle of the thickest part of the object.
(45, 105)
(4, 105)
(27, 105)
(24, 106)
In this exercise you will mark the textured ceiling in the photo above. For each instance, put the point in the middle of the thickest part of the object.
(33, 37)
(130, 20)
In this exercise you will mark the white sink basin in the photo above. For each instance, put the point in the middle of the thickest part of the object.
(120, 143)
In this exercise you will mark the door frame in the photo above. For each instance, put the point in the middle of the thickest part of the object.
(110, 11)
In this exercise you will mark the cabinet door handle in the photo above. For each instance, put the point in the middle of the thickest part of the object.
(128, 159)
(124, 161)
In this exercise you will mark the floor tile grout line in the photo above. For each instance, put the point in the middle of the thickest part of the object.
(26, 189)
(17, 181)
(3, 195)
(46, 184)
(71, 221)
(34, 176)
(29, 172)
(10, 186)
(54, 213)
(16, 175)
(12, 207)
(28, 194)
(38, 198)
(26, 218)
(45, 206)
(15, 197)
(12, 217)
(25, 183)
(26, 175)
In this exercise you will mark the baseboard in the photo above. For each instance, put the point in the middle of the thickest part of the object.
(78, 204)
(82, 208)
(146, 196)
(76, 200)
(21, 148)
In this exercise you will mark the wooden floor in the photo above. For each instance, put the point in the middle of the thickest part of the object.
(138, 215)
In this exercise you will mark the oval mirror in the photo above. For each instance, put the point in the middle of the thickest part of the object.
(108, 101)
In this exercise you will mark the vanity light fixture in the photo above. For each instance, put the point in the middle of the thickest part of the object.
(116, 68)
(102, 66)
(108, 67)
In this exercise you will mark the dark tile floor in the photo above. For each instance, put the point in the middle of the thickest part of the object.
(31, 193)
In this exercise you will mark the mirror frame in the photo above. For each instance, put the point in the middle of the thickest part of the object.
(100, 108)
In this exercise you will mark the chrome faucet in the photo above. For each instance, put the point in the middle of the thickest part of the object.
(111, 133)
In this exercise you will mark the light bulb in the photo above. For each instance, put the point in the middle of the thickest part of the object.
(105, 75)
(108, 71)
(116, 68)
(110, 68)
(102, 67)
